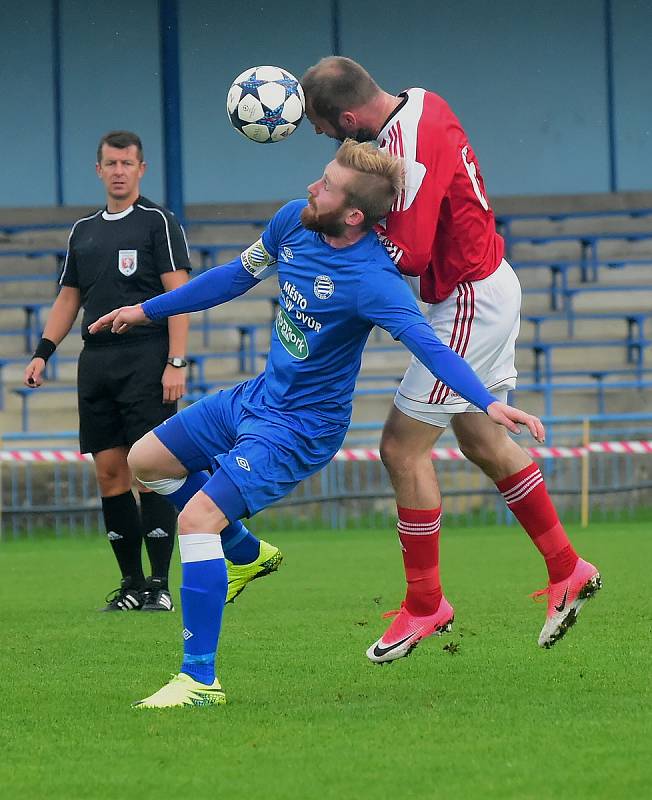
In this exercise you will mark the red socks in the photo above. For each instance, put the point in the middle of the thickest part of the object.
(418, 531)
(527, 498)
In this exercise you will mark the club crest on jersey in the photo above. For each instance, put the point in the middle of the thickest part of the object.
(323, 287)
(127, 261)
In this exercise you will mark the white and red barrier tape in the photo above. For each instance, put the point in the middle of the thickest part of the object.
(358, 453)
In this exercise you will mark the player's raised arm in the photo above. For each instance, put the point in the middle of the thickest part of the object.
(212, 288)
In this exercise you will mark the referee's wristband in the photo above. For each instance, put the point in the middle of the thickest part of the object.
(44, 349)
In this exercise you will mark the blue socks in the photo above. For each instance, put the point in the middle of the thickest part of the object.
(240, 545)
(191, 485)
(203, 594)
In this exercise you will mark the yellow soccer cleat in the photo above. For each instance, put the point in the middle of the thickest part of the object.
(268, 561)
(183, 690)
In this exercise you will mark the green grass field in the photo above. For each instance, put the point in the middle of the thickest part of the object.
(307, 715)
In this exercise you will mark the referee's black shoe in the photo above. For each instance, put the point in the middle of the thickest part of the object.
(126, 598)
(156, 596)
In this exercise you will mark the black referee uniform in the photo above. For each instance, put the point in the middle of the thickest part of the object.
(117, 260)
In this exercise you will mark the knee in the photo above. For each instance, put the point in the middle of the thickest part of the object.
(141, 464)
(484, 452)
(396, 455)
(111, 477)
(474, 450)
(390, 450)
(188, 519)
(201, 515)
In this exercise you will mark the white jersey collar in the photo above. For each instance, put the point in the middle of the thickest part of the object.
(119, 215)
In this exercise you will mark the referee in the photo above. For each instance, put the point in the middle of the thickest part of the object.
(123, 254)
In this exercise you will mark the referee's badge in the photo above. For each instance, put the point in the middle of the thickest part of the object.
(127, 261)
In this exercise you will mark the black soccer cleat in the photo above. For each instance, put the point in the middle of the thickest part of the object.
(156, 596)
(126, 598)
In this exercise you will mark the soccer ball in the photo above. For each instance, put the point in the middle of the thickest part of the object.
(265, 104)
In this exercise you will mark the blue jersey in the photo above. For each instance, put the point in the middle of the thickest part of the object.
(330, 299)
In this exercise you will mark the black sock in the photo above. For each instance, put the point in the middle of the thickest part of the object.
(123, 529)
(159, 522)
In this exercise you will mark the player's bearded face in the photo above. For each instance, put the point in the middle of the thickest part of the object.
(329, 223)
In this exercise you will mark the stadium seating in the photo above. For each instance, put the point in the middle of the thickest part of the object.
(507, 221)
(584, 342)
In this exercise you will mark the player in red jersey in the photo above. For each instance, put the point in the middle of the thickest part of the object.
(441, 233)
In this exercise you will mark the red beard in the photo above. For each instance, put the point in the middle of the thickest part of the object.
(329, 223)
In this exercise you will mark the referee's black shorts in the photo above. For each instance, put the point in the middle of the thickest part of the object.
(120, 393)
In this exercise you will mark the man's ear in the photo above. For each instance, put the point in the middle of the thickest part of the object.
(348, 121)
(354, 218)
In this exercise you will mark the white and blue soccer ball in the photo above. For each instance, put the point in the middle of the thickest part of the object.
(265, 104)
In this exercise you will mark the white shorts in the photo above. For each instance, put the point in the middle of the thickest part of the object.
(480, 321)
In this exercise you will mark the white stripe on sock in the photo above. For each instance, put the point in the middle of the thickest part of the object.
(417, 525)
(521, 483)
(513, 496)
(200, 547)
(419, 529)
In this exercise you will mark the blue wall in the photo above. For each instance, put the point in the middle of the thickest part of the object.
(528, 87)
(110, 69)
(26, 107)
(528, 81)
(633, 93)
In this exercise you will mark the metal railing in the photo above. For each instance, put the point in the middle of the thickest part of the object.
(61, 497)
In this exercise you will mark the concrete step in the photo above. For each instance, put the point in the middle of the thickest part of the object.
(577, 358)
(22, 265)
(582, 225)
(223, 234)
(612, 301)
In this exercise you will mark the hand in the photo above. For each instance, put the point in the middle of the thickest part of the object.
(174, 383)
(33, 376)
(508, 416)
(120, 320)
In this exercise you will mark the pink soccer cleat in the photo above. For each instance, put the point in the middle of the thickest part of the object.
(565, 601)
(405, 633)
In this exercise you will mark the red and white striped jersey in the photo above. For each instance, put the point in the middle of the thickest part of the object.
(441, 227)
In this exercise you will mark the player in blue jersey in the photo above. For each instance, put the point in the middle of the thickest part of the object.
(264, 436)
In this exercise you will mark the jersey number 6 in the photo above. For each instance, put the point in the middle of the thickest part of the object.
(473, 175)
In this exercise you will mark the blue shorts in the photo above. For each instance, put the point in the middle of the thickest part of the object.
(265, 460)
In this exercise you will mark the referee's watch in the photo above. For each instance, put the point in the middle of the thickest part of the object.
(177, 362)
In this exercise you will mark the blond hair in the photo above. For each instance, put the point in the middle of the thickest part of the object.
(380, 178)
